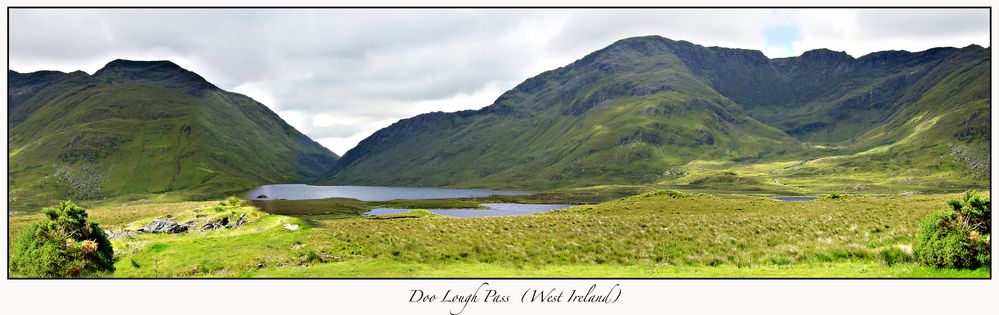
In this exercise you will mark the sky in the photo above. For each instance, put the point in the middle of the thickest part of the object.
(339, 75)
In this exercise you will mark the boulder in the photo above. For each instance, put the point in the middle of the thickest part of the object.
(291, 227)
(163, 226)
(240, 221)
(262, 197)
(215, 224)
(117, 235)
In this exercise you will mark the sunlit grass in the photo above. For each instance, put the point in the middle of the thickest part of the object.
(656, 234)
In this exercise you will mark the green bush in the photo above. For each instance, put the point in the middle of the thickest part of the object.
(667, 192)
(959, 237)
(233, 201)
(62, 246)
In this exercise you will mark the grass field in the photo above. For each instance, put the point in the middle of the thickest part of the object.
(655, 234)
(848, 269)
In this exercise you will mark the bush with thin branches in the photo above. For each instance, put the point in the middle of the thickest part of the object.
(65, 245)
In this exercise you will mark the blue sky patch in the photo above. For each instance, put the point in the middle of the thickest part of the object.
(780, 38)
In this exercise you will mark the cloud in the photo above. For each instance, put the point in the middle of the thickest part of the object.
(860, 32)
(339, 75)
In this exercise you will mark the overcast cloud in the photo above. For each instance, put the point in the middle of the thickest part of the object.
(340, 75)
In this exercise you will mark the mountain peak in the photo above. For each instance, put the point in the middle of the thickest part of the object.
(134, 64)
(823, 53)
(160, 72)
(645, 45)
(974, 46)
(642, 39)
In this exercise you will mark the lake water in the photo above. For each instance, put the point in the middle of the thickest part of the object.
(369, 193)
(792, 199)
(495, 209)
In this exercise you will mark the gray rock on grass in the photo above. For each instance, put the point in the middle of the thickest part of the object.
(162, 226)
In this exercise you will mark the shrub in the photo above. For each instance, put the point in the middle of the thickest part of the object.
(233, 201)
(667, 192)
(833, 196)
(959, 237)
(64, 245)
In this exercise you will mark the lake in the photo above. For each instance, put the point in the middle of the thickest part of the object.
(495, 209)
(793, 199)
(369, 193)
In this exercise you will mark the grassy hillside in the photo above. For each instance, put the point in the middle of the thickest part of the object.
(142, 128)
(943, 124)
(656, 234)
(652, 110)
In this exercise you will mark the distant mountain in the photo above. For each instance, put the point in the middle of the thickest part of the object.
(642, 109)
(145, 127)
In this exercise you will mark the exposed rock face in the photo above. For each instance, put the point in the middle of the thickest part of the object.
(122, 234)
(215, 224)
(239, 222)
(161, 226)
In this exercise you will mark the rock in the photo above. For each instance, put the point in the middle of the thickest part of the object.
(262, 197)
(116, 235)
(162, 226)
(291, 227)
(240, 221)
(215, 224)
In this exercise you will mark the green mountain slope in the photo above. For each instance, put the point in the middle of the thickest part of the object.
(629, 113)
(940, 128)
(644, 109)
(820, 96)
(138, 128)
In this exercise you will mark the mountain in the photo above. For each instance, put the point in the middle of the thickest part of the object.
(939, 127)
(649, 109)
(145, 127)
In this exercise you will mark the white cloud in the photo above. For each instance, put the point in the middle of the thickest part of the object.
(860, 32)
(340, 75)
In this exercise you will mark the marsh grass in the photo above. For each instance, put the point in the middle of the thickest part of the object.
(650, 234)
(698, 230)
(411, 214)
(893, 255)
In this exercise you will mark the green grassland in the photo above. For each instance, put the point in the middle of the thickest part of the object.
(654, 234)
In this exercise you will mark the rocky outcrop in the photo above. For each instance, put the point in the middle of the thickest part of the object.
(123, 234)
(215, 224)
(163, 226)
(239, 222)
